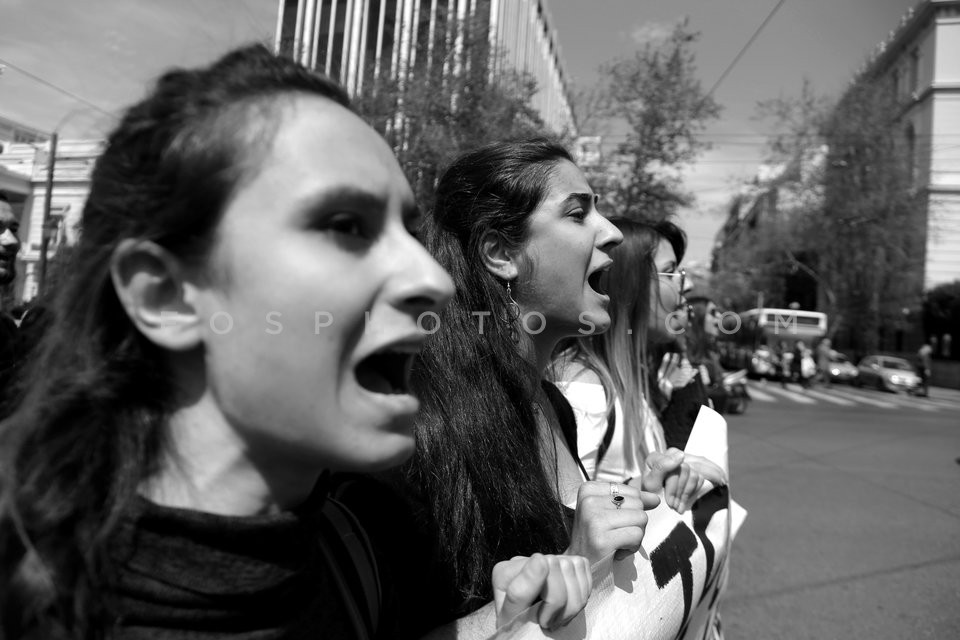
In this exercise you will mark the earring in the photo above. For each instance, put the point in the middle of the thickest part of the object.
(512, 316)
(512, 305)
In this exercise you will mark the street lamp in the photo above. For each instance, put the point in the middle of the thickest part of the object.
(47, 203)
(45, 225)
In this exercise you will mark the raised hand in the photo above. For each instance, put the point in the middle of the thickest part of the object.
(679, 476)
(561, 583)
(603, 525)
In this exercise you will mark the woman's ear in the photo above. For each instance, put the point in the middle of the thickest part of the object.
(150, 283)
(498, 258)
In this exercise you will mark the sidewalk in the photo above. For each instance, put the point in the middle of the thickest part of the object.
(943, 393)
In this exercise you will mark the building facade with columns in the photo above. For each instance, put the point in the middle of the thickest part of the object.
(356, 41)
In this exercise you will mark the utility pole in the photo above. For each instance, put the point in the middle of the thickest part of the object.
(47, 199)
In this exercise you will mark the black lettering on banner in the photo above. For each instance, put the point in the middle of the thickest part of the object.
(672, 558)
(703, 511)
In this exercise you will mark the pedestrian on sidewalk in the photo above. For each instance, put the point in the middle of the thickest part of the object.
(924, 366)
(802, 364)
(824, 353)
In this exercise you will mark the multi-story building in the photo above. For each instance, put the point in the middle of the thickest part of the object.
(918, 66)
(12, 182)
(920, 62)
(25, 166)
(12, 132)
(355, 41)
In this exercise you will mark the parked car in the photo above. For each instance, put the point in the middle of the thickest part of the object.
(887, 373)
(841, 369)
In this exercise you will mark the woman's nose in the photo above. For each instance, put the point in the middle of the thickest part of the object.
(609, 235)
(423, 284)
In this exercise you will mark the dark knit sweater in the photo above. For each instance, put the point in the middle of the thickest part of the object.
(187, 574)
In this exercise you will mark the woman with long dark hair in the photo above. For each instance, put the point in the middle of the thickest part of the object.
(495, 470)
(237, 321)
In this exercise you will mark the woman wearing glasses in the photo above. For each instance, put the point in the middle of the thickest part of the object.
(676, 387)
(605, 377)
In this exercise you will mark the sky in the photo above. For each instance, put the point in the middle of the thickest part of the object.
(106, 52)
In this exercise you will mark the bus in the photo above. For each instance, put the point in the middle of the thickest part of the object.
(747, 341)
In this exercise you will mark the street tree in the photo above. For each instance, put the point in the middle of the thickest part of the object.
(655, 96)
(845, 211)
(779, 245)
(871, 226)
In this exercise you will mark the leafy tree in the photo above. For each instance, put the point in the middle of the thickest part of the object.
(871, 228)
(778, 255)
(655, 94)
(847, 216)
(449, 102)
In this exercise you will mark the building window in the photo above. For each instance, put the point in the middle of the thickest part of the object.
(914, 79)
(911, 136)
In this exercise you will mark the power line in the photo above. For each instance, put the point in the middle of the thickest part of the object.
(56, 88)
(743, 49)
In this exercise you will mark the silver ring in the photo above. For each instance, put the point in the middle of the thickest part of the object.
(616, 497)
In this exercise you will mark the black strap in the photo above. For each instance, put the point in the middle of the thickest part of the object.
(607, 437)
(568, 421)
(353, 567)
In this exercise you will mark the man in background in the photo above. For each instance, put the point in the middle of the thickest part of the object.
(9, 338)
(9, 240)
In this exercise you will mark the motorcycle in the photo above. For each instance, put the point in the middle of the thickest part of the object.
(735, 386)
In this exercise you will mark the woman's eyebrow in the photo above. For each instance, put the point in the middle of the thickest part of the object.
(342, 195)
(584, 199)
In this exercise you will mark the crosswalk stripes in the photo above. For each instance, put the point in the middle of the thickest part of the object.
(792, 395)
(756, 394)
(911, 402)
(772, 392)
(907, 401)
(934, 402)
(832, 399)
(883, 404)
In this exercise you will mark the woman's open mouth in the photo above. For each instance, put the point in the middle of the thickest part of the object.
(598, 280)
(386, 372)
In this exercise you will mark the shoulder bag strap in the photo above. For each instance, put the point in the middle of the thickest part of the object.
(607, 435)
(359, 582)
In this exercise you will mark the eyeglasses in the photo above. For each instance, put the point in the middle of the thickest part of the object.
(679, 273)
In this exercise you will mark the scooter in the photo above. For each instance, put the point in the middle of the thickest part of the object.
(735, 385)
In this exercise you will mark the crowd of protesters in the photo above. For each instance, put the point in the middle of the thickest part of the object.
(171, 466)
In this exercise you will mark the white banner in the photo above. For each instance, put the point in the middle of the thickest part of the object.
(672, 588)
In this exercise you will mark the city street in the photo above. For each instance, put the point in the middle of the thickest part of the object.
(854, 515)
